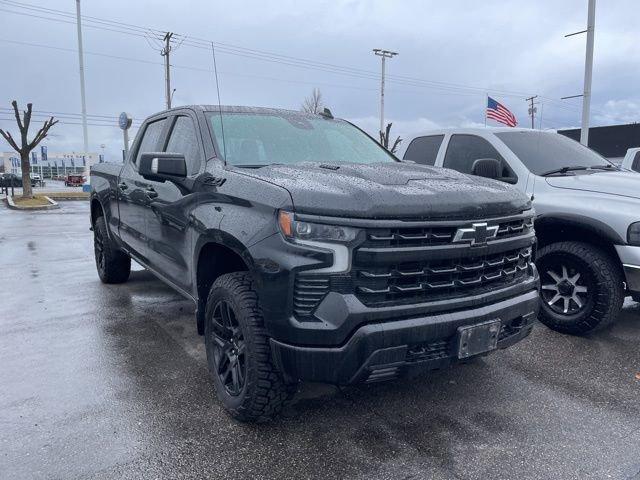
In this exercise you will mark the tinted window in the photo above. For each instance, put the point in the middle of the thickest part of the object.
(149, 142)
(424, 150)
(543, 151)
(463, 150)
(183, 139)
(290, 137)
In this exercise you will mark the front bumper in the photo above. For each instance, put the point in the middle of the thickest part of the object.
(630, 258)
(383, 350)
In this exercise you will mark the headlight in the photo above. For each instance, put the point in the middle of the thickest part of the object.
(633, 234)
(294, 229)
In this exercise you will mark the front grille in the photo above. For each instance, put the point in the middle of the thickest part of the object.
(435, 236)
(432, 280)
(410, 263)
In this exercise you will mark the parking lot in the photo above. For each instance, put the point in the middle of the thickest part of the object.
(110, 381)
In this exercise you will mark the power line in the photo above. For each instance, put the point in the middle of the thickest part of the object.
(47, 113)
(199, 69)
(151, 34)
(254, 54)
(66, 122)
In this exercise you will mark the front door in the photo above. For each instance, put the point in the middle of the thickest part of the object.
(169, 230)
(133, 198)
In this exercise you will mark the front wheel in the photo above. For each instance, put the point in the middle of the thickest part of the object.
(582, 288)
(247, 382)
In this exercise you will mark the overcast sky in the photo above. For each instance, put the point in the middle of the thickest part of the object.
(510, 48)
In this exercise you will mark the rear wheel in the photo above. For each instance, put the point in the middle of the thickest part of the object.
(238, 352)
(582, 287)
(114, 266)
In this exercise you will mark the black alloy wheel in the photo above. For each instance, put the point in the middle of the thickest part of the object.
(98, 249)
(113, 265)
(229, 349)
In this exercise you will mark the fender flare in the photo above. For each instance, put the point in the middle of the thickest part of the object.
(565, 220)
(223, 239)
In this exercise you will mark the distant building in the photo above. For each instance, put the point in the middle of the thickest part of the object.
(53, 163)
(611, 142)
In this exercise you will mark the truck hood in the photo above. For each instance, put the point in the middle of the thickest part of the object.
(391, 190)
(624, 184)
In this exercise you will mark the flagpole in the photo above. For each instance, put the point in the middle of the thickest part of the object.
(486, 103)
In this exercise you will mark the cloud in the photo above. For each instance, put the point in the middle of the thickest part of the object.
(619, 111)
(517, 48)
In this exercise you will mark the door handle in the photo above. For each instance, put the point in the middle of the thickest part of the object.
(123, 186)
(150, 192)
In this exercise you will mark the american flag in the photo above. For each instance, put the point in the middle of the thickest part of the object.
(500, 113)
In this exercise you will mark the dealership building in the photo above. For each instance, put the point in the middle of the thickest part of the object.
(611, 141)
(50, 164)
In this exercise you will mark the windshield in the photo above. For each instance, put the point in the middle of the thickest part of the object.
(542, 151)
(257, 139)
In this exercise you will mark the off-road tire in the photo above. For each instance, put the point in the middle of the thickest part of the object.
(113, 265)
(265, 391)
(607, 294)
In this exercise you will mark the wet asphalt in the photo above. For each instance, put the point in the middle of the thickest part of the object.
(110, 381)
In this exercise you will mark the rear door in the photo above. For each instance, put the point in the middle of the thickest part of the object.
(169, 230)
(133, 193)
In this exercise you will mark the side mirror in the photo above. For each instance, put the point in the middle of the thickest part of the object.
(487, 168)
(162, 166)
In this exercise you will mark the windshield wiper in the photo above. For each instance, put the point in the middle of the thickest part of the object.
(564, 170)
(256, 165)
(605, 167)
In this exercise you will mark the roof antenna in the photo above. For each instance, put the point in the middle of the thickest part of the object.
(215, 72)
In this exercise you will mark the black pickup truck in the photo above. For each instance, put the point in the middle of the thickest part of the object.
(311, 253)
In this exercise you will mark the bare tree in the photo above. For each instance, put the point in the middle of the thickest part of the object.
(384, 139)
(313, 103)
(25, 146)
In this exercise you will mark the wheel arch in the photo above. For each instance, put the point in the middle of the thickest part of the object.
(561, 228)
(216, 254)
(96, 210)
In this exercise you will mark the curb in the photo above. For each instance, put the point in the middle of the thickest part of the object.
(68, 199)
(52, 205)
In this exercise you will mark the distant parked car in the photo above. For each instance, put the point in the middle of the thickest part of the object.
(74, 180)
(36, 180)
(10, 180)
(632, 160)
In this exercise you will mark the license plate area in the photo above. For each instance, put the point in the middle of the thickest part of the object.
(479, 338)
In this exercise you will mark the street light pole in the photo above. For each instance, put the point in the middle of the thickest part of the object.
(384, 54)
(85, 133)
(588, 70)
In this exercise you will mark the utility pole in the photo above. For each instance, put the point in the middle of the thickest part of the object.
(384, 54)
(85, 134)
(588, 70)
(167, 69)
(532, 110)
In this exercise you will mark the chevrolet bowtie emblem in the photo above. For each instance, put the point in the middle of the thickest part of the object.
(477, 234)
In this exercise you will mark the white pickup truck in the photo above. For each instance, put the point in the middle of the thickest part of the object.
(632, 160)
(588, 214)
